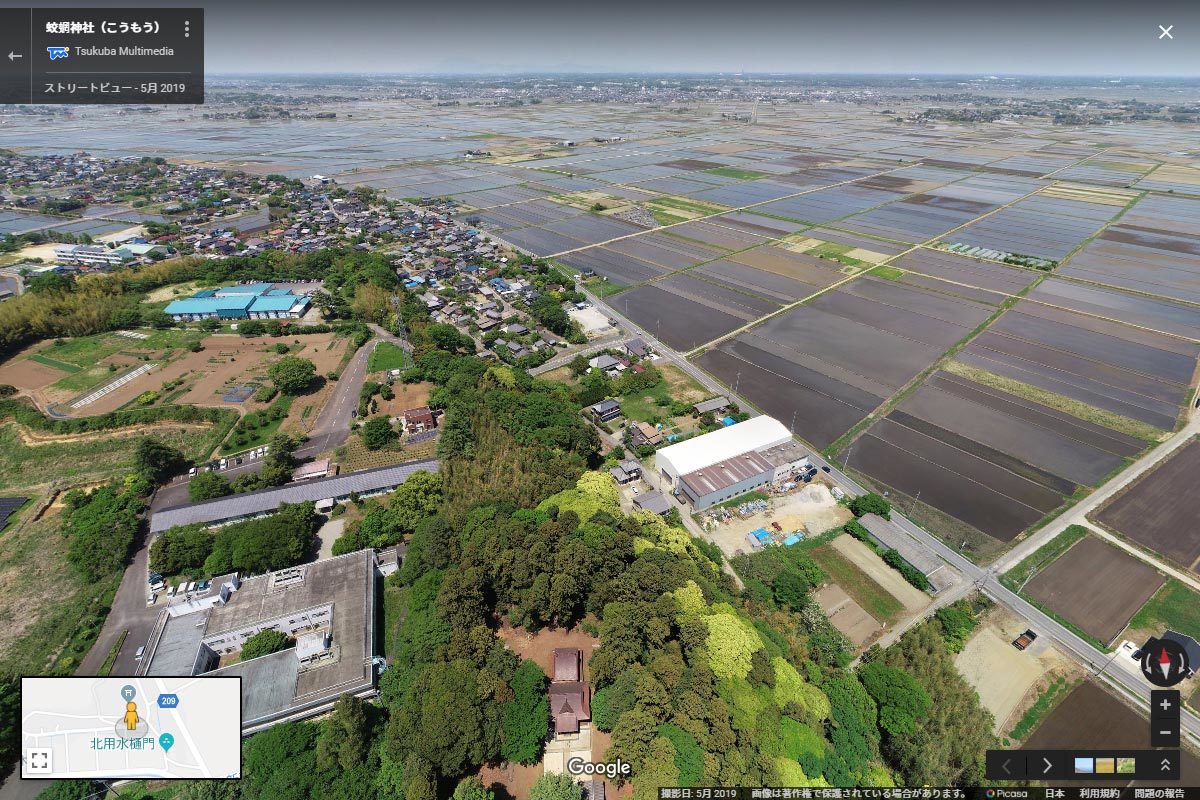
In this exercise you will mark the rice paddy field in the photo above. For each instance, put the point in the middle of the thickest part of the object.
(839, 269)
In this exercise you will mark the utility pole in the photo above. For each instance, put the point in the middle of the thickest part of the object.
(736, 381)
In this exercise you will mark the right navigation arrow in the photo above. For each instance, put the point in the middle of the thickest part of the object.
(1048, 763)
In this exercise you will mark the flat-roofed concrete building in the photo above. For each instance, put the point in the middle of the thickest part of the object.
(328, 606)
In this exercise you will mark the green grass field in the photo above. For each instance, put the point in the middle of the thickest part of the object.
(1174, 606)
(395, 609)
(84, 461)
(734, 172)
(858, 584)
(663, 218)
(259, 436)
(82, 357)
(388, 356)
(602, 288)
(54, 363)
(1047, 701)
(54, 618)
(85, 351)
(643, 405)
(888, 273)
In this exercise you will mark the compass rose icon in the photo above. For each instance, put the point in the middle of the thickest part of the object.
(1164, 662)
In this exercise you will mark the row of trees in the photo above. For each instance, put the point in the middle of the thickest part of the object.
(280, 540)
(385, 523)
(109, 301)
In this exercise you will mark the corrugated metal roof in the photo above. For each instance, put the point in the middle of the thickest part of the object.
(652, 501)
(265, 303)
(715, 404)
(209, 305)
(720, 476)
(265, 500)
(912, 551)
(250, 288)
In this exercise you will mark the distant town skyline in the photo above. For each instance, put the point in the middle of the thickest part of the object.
(1102, 38)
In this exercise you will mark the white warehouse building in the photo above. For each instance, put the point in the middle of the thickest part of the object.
(720, 465)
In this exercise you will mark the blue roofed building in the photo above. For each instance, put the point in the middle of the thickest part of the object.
(290, 306)
(197, 308)
(251, 301)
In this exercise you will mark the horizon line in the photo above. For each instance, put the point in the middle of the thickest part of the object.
(692, 73)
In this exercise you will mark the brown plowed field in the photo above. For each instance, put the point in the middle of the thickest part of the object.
(972, 502)
(1160, 509)
(1096, 586)
(824, 407)
(1092, 719)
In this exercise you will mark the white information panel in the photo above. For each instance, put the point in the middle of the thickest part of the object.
(131, 727)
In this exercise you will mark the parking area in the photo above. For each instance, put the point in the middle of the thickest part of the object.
(593, 323)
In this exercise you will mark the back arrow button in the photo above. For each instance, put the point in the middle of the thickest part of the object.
(14, 56)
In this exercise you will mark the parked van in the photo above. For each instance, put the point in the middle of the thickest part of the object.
(141, 651)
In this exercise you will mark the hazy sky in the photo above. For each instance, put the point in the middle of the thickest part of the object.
(1098, 37)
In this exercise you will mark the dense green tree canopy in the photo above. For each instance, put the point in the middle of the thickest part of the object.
(556, 786)
(901, 700)
(208, 486)
(378, 433)
(156, 460)
(292, 375)
(527, 716)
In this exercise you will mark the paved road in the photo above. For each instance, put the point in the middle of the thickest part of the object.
(330, 429)
(594, 346)
(129, 610)
(1077, 515)
(332, 426)
(1097, 662)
